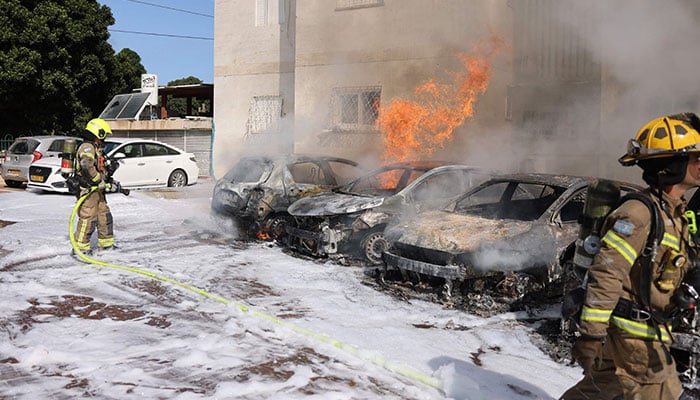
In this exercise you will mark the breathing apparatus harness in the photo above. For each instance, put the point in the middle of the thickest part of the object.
(600, 201)
(75, 181)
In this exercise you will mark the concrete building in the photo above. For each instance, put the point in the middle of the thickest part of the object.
(305, 76)
(569, 88)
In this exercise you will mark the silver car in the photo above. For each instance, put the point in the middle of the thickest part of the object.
(24, 151)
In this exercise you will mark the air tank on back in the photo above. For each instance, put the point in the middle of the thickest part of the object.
(601, 197)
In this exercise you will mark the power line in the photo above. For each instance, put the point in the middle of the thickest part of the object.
(161, 34)
(172, 8)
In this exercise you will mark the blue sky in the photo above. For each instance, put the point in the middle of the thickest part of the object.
(167, 34)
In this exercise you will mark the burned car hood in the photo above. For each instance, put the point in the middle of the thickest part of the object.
(490, 243)
(332, 203)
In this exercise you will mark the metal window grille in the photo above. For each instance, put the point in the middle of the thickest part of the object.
(6, 141)
(355, 109)
(264, 114)
(351, 4)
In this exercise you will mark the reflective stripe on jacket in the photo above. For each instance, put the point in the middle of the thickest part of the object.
(616, 272)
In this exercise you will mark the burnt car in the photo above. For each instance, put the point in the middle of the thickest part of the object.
(350, 220)
(505, 237)
(258, 189)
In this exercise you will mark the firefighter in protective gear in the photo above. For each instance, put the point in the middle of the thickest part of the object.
(90, 168)
(624, 328)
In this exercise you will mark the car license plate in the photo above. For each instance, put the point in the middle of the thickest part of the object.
(36, 178)
(13, 172)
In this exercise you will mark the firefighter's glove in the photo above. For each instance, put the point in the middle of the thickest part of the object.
(103, 186)
(588, 352)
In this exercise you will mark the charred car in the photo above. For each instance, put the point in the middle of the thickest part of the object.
(505, 237)
(258, 189)
(350, 220)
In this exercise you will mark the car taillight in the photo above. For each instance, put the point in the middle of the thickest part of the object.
(37, 155)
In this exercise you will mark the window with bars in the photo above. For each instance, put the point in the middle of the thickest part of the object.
(354, 109)
(264, 114)
(351, 4)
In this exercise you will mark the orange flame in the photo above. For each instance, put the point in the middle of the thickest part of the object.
(415, 129)
(262, 235)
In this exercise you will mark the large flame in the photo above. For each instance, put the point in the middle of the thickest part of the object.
(414, 129)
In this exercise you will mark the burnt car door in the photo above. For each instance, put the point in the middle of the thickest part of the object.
(305, 178)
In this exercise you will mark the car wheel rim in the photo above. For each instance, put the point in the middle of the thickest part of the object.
(374, 247)
(178, 179)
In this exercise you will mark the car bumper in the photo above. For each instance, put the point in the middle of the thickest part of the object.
(325, 242)
(451, 272)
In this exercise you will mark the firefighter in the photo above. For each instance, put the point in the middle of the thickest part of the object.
(92, 174)
(632, 291)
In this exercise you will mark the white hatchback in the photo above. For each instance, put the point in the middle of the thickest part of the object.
(143, 163)
(27, 150)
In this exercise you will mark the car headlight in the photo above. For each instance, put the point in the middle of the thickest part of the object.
(370, 204)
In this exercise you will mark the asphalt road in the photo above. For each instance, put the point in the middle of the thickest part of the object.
(5, 188)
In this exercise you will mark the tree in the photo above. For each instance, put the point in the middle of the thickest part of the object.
(57, 69)
(177, 107)
(127, 72)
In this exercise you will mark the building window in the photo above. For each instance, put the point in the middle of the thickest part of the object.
(269, 12)
(352, 4)
(354, 109)
(264, 114)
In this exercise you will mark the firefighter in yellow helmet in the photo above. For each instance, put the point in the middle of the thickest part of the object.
(92, 173)
(634, 289)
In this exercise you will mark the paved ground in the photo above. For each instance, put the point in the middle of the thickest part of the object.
(5, 188)
(203, 184)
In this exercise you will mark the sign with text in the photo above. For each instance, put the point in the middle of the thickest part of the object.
(149, 84)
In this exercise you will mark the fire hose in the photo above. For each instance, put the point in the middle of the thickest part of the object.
(353, 350)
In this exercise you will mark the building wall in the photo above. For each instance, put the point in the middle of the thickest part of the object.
(253, 56)
(392, 46)
(336, 44)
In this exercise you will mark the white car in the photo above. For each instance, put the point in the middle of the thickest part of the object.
(143, 163)
(14, 166)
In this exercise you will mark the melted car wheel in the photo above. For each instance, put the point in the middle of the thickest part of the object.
(277, 227)
(372, 246)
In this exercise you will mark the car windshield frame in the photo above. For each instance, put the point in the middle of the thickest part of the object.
(515, 200)
(241, 172)
(406, 176)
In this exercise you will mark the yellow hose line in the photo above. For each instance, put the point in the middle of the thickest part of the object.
(375, 359)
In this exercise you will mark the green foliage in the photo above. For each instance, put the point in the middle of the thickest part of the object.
(128, 70)
(57, 69)
(177, 107)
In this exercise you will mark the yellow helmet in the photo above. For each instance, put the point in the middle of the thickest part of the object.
(670, 136)
(99, 127)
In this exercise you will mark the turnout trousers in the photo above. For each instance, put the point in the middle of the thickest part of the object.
(94, 213)
(631, 369)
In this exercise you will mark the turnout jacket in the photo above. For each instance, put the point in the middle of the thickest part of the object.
(90, 164)
(616, 272)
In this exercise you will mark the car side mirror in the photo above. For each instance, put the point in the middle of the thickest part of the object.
(118, 156)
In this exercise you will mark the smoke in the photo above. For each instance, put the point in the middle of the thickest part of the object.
(632, 61)
(517, 253)
(646, 54)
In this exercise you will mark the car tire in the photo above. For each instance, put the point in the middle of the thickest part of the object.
(372, 246)
(177, 178)
(13, 184)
